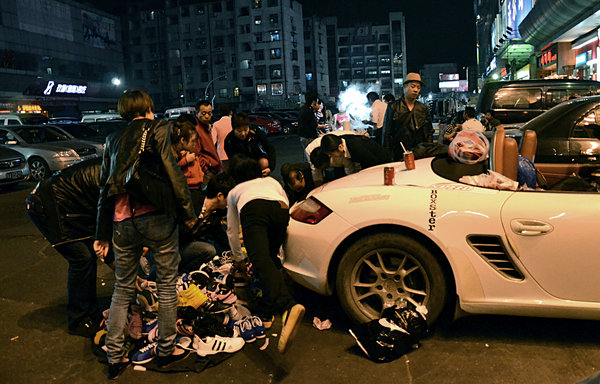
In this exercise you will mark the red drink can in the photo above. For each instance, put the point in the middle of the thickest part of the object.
(388, 175)
(409, 160)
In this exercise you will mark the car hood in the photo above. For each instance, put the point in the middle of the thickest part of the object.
(422, 175)
(7, 153)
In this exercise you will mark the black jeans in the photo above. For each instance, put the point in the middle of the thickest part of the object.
(81, 281)
(264, 227)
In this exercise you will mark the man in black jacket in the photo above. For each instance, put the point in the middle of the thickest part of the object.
(356, 148)
(308, 128)
(63, 208)
(250, 143)
(407, 121)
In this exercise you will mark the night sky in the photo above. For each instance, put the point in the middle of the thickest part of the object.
(437, 31)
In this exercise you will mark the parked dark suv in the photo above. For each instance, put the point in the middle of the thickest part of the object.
(515, 102)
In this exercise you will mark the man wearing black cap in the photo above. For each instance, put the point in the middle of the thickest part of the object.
(407, 121)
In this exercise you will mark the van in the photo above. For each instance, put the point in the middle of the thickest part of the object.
(173, 113)
(86, 118)
(516, 102)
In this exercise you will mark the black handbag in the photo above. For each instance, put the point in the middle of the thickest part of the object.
(146, 180)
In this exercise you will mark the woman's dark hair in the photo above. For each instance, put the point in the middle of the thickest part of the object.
(134, 103)
(239, 120)
(243, 168)
(389, 98)
(186, 117)
(318, 158)
(225, 109)
(222, 182)
(288, 168)
(330, 143)
(182, 130)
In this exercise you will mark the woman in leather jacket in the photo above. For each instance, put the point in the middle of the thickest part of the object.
(131, 225)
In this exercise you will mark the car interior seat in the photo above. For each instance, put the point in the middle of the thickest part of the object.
(504, 156)
(529, 145)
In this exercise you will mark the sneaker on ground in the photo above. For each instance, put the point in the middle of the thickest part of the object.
(192, 296)
(267, 321)
(148, 300)
(165, 361)
(213, 307)
(211, 325)
(244, 329)
(150, 330)
(145, 355)
(291, 320)
(211, 345)
(257, 325)
(115, 369)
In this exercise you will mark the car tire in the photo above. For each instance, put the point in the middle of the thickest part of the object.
(39, 169)
(382, 269)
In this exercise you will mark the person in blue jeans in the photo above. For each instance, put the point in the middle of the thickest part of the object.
(64, 208)
(261, 206)
(132, 224)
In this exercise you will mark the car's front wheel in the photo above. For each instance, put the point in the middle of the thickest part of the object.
(39, 168)
(380, 270)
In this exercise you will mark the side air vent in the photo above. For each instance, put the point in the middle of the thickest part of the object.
(492, 250)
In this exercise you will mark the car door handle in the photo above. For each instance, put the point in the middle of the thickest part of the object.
(527, 227)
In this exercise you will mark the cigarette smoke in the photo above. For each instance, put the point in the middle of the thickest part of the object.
(354, 101)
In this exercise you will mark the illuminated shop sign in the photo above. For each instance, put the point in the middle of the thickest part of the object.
(449, 76)
(581, 59)
(53, 88)
(548, 57)
(27, 108)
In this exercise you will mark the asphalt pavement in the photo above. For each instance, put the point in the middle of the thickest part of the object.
(36, 348)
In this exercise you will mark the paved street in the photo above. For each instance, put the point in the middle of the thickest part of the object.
(36, 348)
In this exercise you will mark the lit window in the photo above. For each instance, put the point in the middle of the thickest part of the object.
(309, 76)
(257, 20)
(277, 89)
(261, 89)
(275, 53)
(274, 35)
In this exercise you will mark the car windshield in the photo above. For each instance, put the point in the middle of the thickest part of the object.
(79, 131)
(37, 135)
(33, 119)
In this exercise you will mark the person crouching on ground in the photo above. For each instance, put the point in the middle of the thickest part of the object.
(64, 208)
(131, 225)
(250, 143)
(262, 207)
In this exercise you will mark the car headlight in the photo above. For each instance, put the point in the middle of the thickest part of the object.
(310, 211)
(69, 153)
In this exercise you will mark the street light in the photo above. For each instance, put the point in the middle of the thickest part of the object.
(209, 83)
(116, 81)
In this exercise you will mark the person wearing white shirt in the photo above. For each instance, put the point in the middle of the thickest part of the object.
(378, 108)
(261, 206)
(471, 123)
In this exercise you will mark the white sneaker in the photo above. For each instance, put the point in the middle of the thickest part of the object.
(211, 345)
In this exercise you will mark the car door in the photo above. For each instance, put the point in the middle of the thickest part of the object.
(555, 236)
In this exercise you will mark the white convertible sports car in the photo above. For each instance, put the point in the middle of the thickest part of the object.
(430, 239)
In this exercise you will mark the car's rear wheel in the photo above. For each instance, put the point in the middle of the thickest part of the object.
(39, 168)
(382, 269)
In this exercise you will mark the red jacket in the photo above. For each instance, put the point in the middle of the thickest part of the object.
(192, 171)
(206, 151)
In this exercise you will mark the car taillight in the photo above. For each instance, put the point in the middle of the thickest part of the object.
(310, 211)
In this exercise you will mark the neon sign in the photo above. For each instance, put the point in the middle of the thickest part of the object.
(73, 89)
(548, 57)
(29, 108)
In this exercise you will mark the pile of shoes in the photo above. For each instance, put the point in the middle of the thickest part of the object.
(396, 333)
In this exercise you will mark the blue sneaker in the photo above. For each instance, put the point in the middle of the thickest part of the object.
(259, 328)
(243, 328)
(150, 330)
(145, 355)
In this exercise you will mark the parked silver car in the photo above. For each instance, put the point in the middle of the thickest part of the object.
(81, 132)
(45, 149)
(13, 168)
